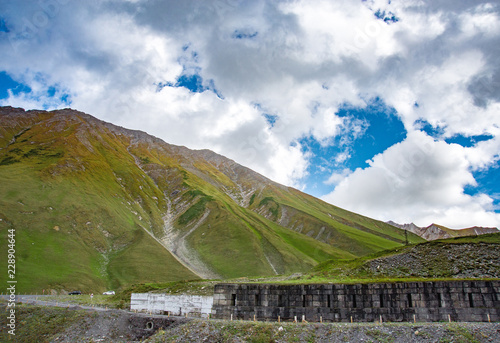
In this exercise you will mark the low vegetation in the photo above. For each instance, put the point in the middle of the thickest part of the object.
(38, 323)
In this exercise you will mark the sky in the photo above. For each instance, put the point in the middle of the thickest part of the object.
(388, 108)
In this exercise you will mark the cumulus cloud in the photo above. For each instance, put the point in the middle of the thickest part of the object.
(297, 62)
(419, 180)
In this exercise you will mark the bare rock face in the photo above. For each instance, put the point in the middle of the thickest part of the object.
(483, 230)
(435, 231)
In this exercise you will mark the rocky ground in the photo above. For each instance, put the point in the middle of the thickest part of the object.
(466, 260)
(224, 331)
(116, 326)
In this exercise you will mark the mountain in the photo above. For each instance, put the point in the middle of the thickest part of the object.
(95, 206)
(435, 231)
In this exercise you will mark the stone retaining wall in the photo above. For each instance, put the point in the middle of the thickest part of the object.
(421, 301)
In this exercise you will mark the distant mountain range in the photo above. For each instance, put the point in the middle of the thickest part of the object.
(95, 206)
(434, 231)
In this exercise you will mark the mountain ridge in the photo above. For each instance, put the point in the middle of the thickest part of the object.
(134, 208)
(436, 231)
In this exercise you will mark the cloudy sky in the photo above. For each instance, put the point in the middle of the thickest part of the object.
(389, 108)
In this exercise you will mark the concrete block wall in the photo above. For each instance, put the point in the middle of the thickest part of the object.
(177, 305)
(420, 301)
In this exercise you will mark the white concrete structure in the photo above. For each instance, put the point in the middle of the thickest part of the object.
(176, 305)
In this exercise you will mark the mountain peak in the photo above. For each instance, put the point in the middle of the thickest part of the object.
(436, 231)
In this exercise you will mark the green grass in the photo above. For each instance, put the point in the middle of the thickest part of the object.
(459, 334)
(340, 228)
(194, 211)
(252, 199)
(487, 238)
(272, 206)
(380, 336)
(133, 265)
(229, 246)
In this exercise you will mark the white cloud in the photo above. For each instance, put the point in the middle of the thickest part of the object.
(480, 20)
(299, 61)
(417, 180)
(332, 31)
(336, 178)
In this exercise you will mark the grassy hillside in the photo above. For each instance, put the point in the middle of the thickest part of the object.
(75, 231)
(95, 206)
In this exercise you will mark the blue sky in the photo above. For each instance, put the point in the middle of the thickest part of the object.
(380, 128)
(385, 108)
(7, 84)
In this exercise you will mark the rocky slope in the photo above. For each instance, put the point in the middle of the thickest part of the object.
(459, 261)
(455, 258)
(435, 231)
(96, 206)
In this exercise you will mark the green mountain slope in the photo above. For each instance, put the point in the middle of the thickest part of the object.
(96, 206)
